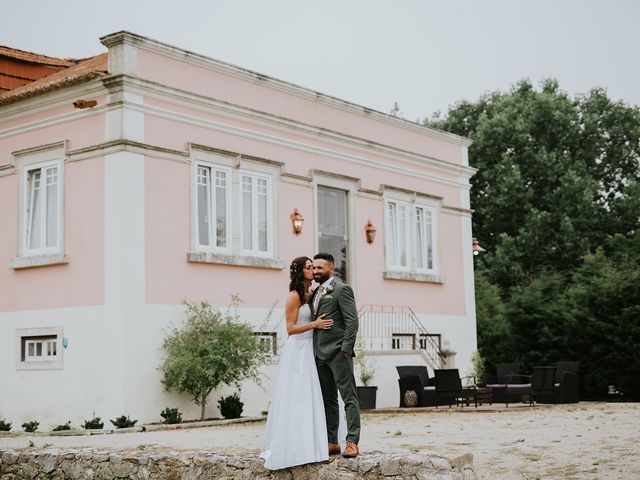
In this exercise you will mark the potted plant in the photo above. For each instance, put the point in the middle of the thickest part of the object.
(366, 371)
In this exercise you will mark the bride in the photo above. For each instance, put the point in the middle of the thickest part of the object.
(296, 431)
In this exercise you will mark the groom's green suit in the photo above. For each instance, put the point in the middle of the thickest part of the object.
(335, 370)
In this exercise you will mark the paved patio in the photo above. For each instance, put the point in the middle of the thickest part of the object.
(581, 441)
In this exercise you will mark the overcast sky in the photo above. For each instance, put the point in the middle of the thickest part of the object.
(426, 55)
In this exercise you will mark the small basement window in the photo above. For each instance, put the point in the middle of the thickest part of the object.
(39, 348)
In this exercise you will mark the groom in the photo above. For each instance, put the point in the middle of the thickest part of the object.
(334, 352)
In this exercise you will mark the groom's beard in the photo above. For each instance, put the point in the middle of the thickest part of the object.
(321, 279)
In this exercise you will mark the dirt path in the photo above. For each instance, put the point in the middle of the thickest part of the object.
(581, 441)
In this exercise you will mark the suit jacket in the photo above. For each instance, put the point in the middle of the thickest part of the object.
(338, 305)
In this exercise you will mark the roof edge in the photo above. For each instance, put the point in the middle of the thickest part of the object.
(126, 37)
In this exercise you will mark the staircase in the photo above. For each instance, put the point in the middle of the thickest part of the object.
(397, 328)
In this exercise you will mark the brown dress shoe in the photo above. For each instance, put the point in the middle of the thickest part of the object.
(351, 450)
(334, 449)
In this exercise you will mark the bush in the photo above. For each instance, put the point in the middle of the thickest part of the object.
(66, 426)
(123, 422)
(94, 424)
(30, 426)
(4, 426)
(212, 348)
(231, 406)
(171, 415)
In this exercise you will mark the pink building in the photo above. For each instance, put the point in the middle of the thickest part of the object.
(149, 174)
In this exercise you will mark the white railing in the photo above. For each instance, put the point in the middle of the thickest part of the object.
(397, 328)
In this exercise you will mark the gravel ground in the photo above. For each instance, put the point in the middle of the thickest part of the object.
(580, 441)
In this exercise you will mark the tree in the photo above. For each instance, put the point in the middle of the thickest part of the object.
(556, 198)
(211, 349)
(556, 176)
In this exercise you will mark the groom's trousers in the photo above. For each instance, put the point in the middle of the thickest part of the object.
(336, 374)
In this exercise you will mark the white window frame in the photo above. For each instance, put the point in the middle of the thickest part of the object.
(26, 205)
(434, 237)
(43, 336)
(213, 168)
(391, 265)
(269, 215)
(411, 206)
(235, 166)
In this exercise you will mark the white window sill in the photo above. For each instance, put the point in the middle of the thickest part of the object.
(236, 260)
(39, 261)
(414, 277)
(42, 365)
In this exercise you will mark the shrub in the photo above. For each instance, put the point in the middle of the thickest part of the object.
(171, 415)
(66, 426)
(231, 406)
(93, 424)
(30, 426)
(212, 348)
(4, 426)
(123, 422)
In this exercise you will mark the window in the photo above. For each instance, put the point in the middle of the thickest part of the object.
(333, 228)
(39, 348)
(41, 216)
(424, 238)
(232, 219)
(397, 235)
(255, 200)
(403, 341)
(213, 193)
(269, 340)
(410, 237)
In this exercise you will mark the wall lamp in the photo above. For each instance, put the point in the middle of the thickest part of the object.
(477, 249)
(370, 232)
(296, 221)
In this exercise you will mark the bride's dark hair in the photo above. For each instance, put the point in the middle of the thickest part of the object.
(296, 273)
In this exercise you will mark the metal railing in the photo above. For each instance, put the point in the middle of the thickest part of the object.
(397, 328)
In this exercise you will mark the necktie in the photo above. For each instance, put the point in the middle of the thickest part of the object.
(316, 301)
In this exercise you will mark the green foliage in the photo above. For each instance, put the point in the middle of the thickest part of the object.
(30, 426)
(211, 349)
(556, 200)
(94, 424)
(123, 422)
(478, 366)
(64, 426)
(4, 426)
(231, 406)
(171, 415)
(604, 300)
(365, 364)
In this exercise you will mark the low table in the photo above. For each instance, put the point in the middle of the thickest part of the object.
(484, 395)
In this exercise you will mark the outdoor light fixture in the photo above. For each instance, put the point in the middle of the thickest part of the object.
(476, 247)
(370, 232)
(296, 221)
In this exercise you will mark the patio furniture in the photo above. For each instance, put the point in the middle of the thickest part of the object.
(484, 395)
(497, 381)
(449, 386)
(416, 388)
(566, 384)
(542, 383)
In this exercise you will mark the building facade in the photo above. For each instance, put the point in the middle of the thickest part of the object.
(149, 175)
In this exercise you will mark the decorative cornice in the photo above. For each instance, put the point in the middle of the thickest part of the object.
(206, 104)
(124, 37)
(384, 187)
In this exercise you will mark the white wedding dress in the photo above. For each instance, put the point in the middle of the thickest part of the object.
(296, 431)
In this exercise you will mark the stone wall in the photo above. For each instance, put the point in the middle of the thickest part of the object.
(92, 464)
